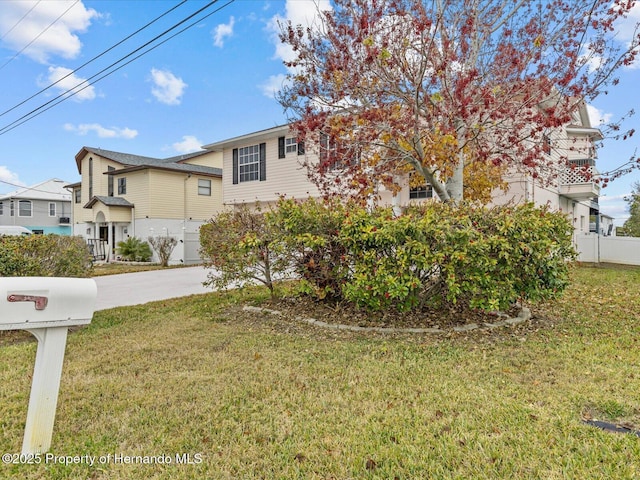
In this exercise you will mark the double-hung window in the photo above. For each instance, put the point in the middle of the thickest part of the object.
(24, 208)
(204, 187)
(249, 163)
(291, 145)
(52, 209)
(122, 185)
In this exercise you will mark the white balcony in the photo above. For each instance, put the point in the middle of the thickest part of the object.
(578, 180)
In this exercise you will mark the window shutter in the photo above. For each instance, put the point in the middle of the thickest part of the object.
(235, 166)
(281, 152)
(301, 148)
(263, 162)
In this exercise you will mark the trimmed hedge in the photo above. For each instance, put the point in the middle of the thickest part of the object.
(44, 256)
(436, 254)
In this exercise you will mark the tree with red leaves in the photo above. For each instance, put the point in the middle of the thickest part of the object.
(386, 88)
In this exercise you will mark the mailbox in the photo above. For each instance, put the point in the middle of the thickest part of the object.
(39, 302)
(46, 307)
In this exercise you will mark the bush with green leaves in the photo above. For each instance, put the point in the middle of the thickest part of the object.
(242, 247)
(44, 256)
(310, 230)
(163, 246)
(134, 249)
(443, 254)
(434, 254)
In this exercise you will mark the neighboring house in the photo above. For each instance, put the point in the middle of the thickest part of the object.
(42, 208)
(607, 228)
(123, 195)
(261, 166)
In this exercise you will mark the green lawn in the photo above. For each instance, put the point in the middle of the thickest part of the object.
(257, 397)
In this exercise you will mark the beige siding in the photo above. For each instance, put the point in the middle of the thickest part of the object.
(211, 159)
(175, 195)
(100, 184)
(166, 194)
(137, 191)
(111, 214)
(203, 207)
(284, 176)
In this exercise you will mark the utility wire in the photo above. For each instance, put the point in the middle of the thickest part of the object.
(75, 90)
(92, 60)
(18, 22)
(39, 35)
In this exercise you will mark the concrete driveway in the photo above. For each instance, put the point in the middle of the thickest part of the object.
(142, 287)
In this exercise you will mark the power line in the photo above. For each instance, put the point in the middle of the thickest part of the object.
(19, 21)
(75, 90)
(22, 189)
(39, 35)
(92, 60)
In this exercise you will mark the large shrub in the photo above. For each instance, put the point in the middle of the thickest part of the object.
(44, 255)
(241, 247)
(436, 254)
(310, 230)
(483, 258)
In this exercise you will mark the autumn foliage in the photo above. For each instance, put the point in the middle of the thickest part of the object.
(446, 88)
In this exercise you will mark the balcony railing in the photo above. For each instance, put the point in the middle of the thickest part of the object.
(578, 179)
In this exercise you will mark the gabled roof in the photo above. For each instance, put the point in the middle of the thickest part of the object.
(109, 202)
(131, 162)
(52, 189)
(261, 135)
(178, 167)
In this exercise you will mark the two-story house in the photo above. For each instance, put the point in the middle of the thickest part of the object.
(261, 166)
(122, 195)
(42, 208)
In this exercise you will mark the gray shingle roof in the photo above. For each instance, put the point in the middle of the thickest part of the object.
(170, 163)
(109, 201)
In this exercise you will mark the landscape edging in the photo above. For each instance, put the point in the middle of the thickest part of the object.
(523, 316)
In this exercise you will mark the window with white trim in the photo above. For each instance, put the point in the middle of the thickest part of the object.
(423, 191)
(122, 185)
(25, 208)
(1, 208)
(204, 187)
(249, 163)
(52, 209)
(291, 145)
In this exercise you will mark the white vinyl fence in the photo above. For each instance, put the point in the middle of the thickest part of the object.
(598, 248)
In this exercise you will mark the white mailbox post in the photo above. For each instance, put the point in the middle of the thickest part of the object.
(46, 307)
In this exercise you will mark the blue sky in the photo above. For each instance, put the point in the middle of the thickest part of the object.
(213, 81)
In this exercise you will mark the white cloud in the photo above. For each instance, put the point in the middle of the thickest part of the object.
(273, 85)
(298, 12)
(188, 144)
(223, 31)
(597, 117)
(167, 87)
(67, 81)
(8, 176)
(100, 131)
(45, 28)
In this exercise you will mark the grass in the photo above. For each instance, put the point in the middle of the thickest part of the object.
(256, 397)
(114, 268)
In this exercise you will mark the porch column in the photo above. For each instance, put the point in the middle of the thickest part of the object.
(110, 240)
